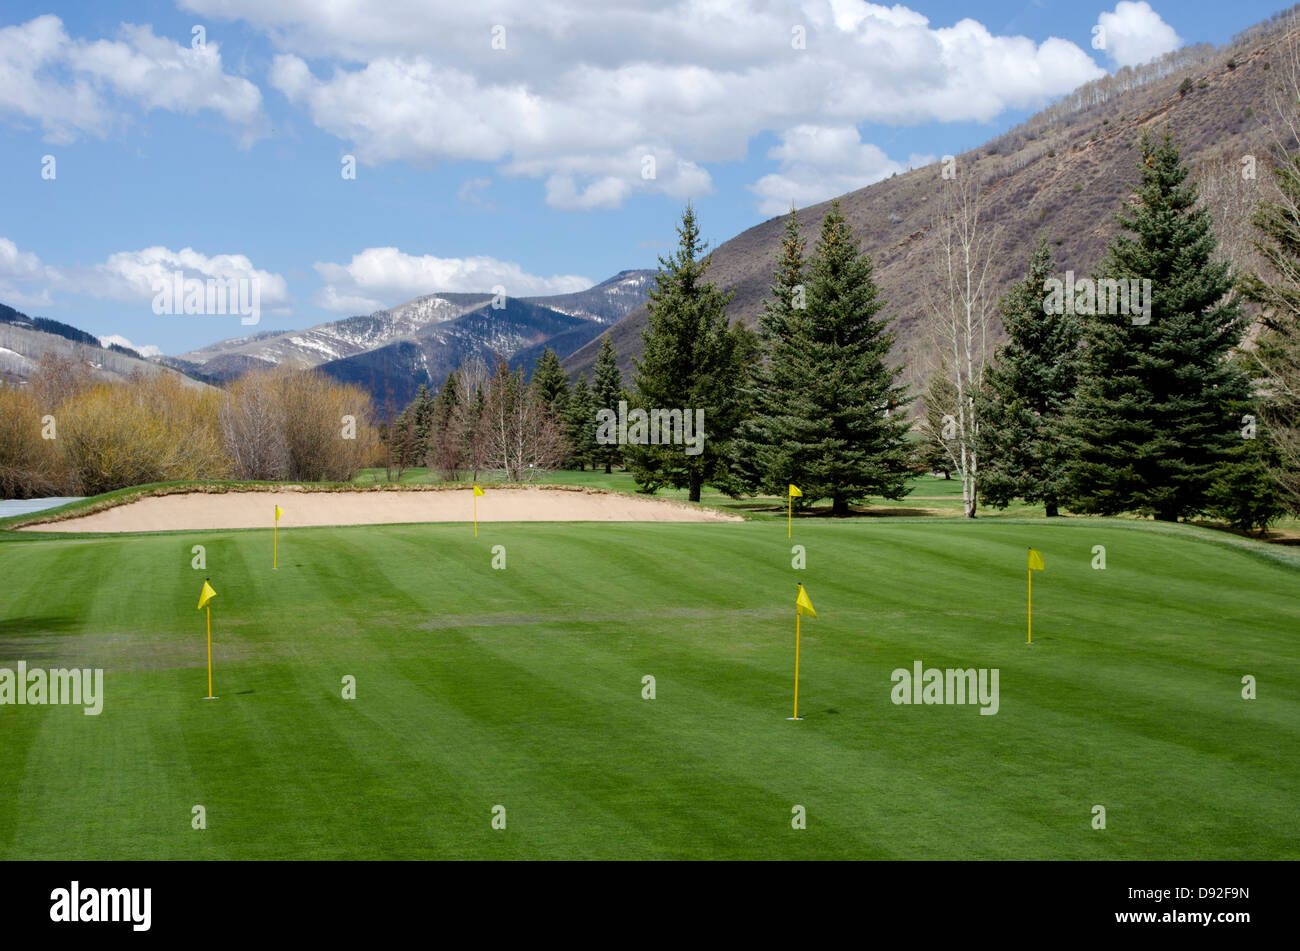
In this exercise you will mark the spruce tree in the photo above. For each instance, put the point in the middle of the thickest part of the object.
(1026, 392)
(421, 412)
(444, 443)
(580, 425)
(760, 459)
(1152, 423)
(607, 386)
(552, 385)
(937, 447)
(1277, 350)
(694, 361)
(844, 435)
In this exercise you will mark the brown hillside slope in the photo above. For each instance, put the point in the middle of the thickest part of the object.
(1061, 175)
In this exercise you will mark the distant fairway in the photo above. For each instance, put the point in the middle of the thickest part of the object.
(522, 687)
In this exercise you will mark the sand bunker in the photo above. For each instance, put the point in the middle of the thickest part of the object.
(202, 510)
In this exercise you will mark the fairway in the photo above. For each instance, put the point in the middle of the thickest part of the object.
(522, 687)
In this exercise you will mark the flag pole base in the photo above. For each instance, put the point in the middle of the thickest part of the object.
(794, 718)
(211, 698)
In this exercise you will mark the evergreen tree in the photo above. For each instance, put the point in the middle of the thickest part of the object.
(421, 410)
(607, 386)
(840, 427)
(552, 385)
(937, 447)
(446, 444)
(1277, 351)
(694, 361)
(580, 425)
(1152, 424)
(1026, 392)
(759, 457)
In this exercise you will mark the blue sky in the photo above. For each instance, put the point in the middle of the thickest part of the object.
(491, 149)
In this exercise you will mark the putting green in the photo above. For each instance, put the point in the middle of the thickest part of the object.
(523, 688)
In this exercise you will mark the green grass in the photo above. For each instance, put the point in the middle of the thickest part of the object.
(523, 687)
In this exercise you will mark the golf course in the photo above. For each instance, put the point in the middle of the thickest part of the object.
(523, 686)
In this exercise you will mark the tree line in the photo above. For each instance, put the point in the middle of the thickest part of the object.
(67, 433)
(1170, 414)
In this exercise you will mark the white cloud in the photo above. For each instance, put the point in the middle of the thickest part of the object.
(383, 277)
(148, 350)
(1136, 34)
(819, 162)
(25, 281)
(23, 265)
(133, 276)
(72, 87)
(582, 90)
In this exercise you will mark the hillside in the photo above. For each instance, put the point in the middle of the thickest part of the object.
(23, 340)
(1061, 175)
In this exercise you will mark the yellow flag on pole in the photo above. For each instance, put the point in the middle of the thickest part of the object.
(791, 494)
(278, 512)
(802, 605)
(206, 595)
(478, 491)
(1035, 564)
(795, 493)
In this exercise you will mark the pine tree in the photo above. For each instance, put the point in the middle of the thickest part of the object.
(1026, 392)
(580, 425)
(1152, 424)
(694, 361)
(607, 385)
(421, 410)
(936, 448)
(1277, 351)
(446, 446)
(842, 431)
(760, 459)
(552, 385)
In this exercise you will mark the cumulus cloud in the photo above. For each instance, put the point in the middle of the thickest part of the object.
(23, 265)
(819, 162)
(135, 276)
(25, 281)
(580, 92)
(72, 87)
(1136, 34)
(383, 277)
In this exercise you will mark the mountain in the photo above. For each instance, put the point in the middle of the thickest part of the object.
(333, 340)
(1060, 175)
(392, 352)
(606, 303)
(394, 372)
(24, 340)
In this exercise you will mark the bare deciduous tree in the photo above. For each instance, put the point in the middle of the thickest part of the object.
(960, 308)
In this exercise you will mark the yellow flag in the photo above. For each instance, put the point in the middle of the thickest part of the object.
(478, 491)
(795, 493)
(278, 512)
(802, 605)
(206, 595)
(1035, 560)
